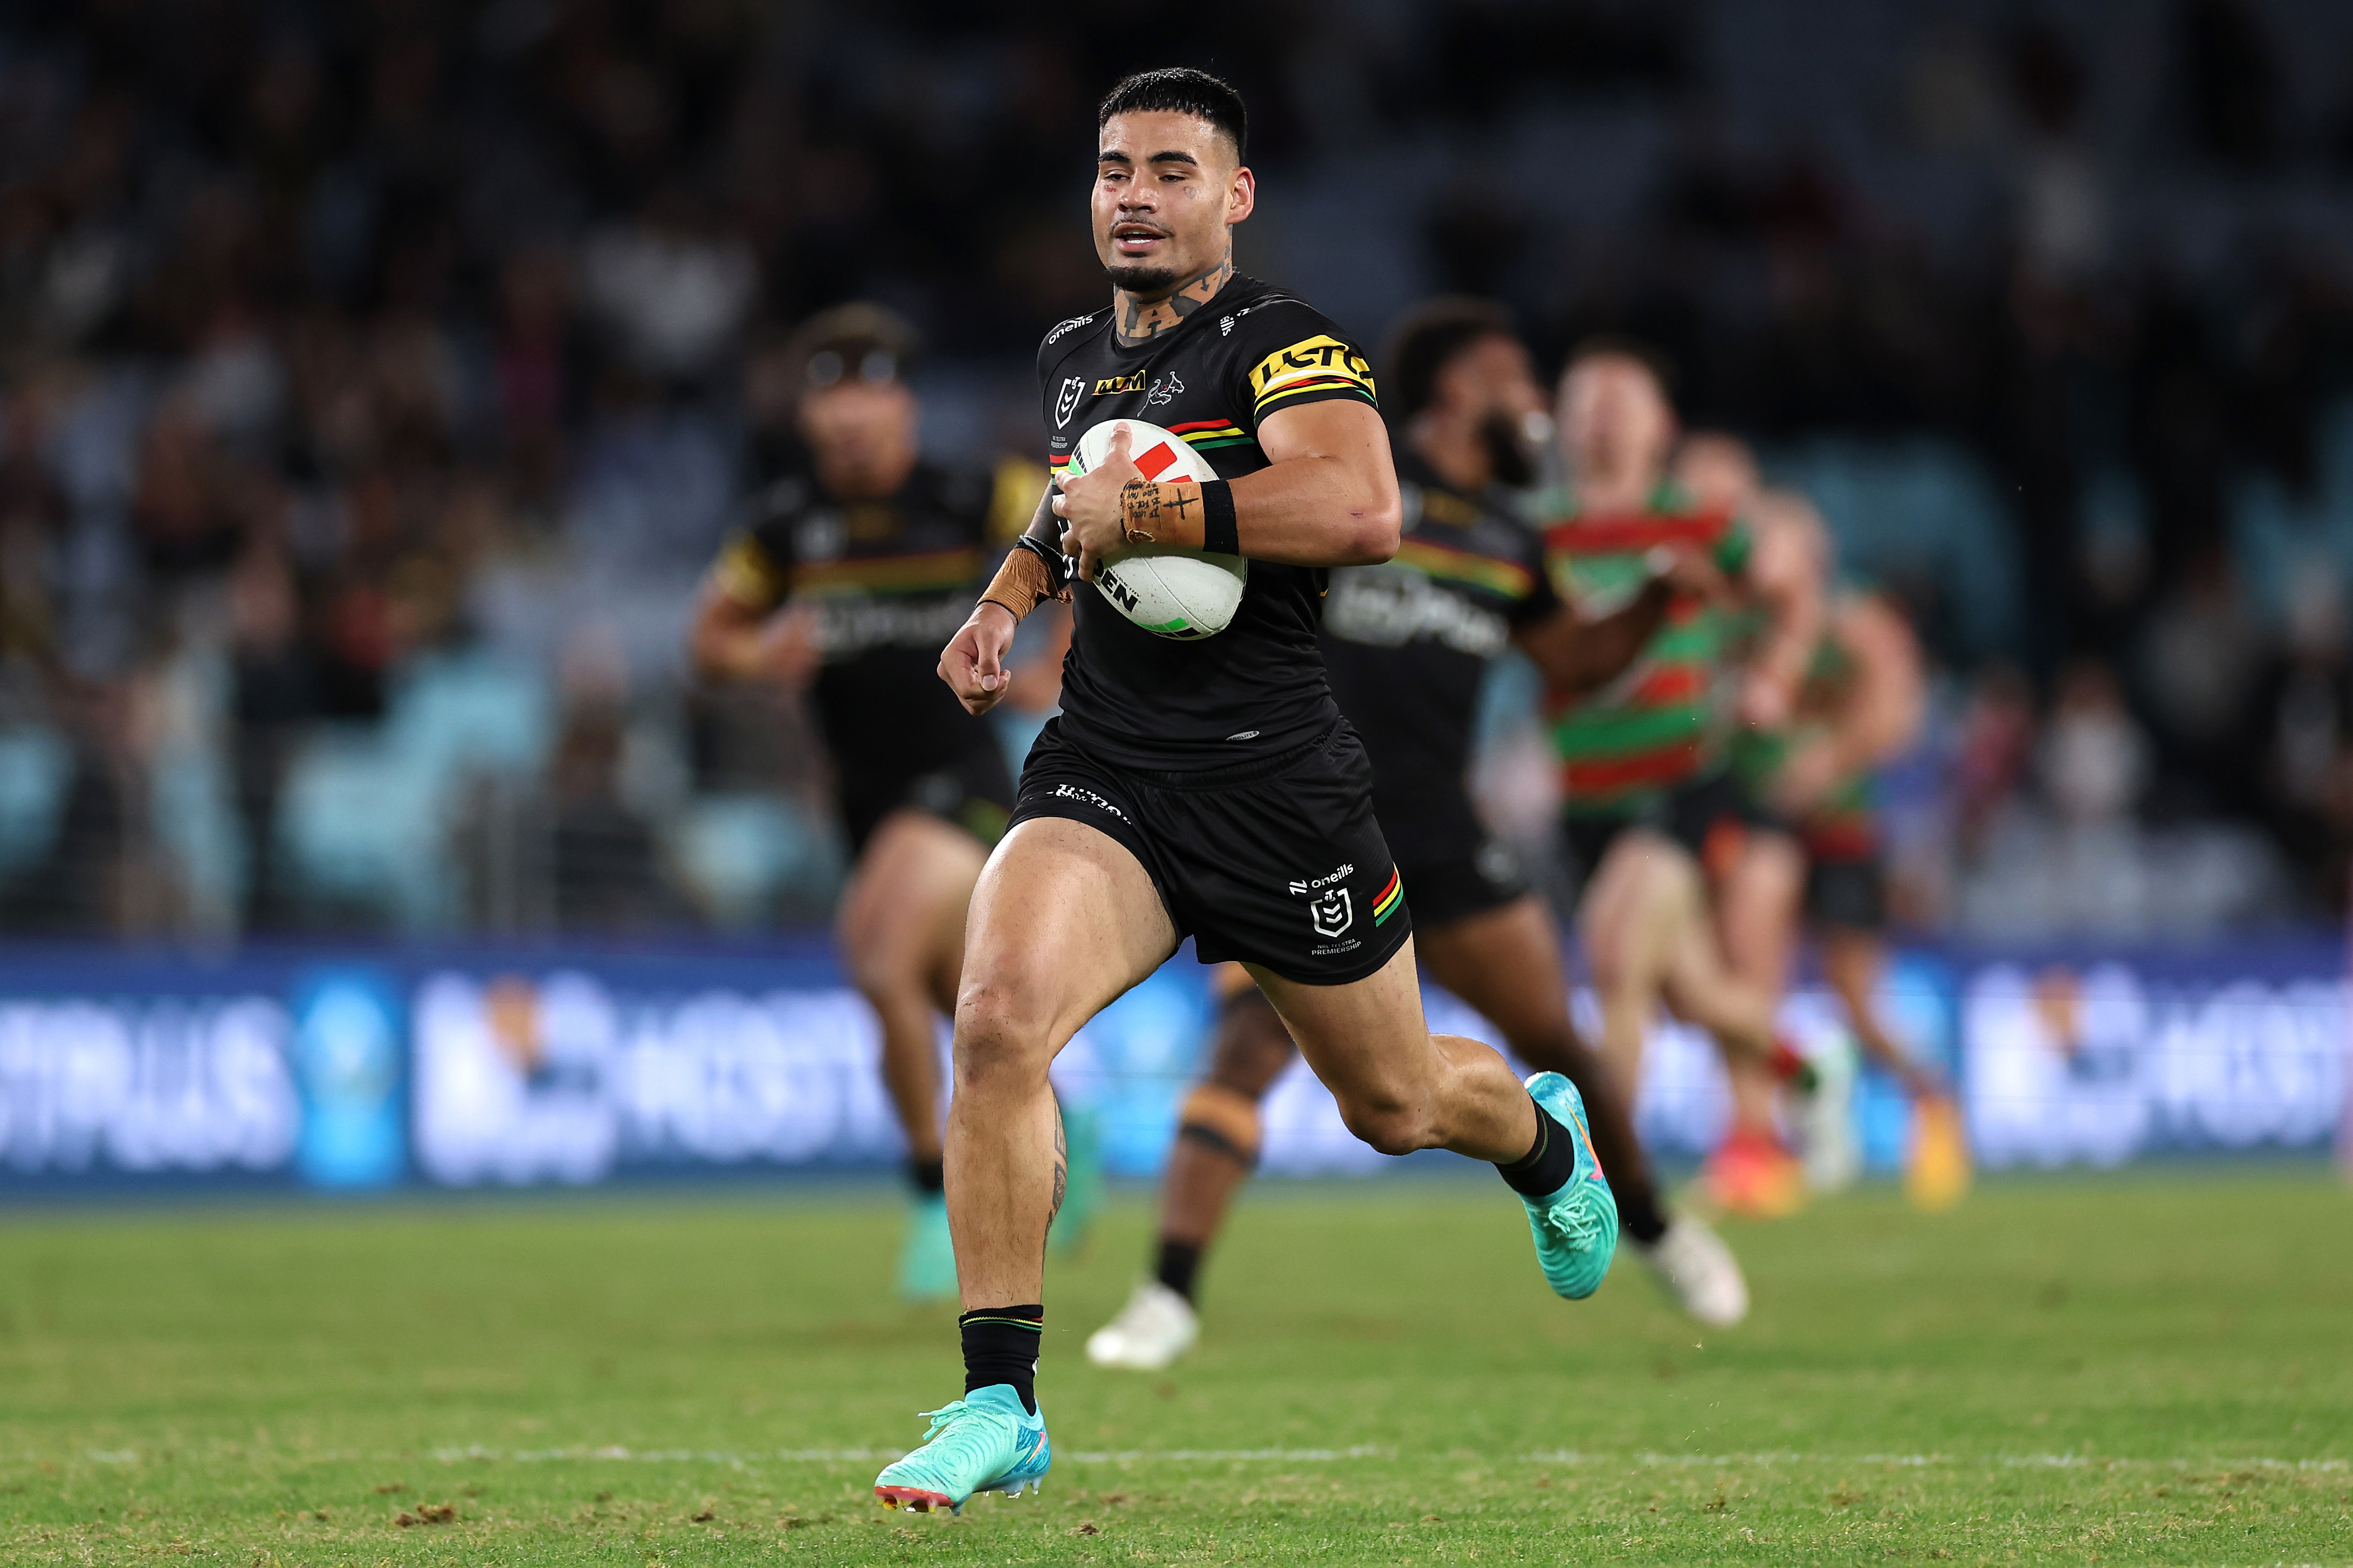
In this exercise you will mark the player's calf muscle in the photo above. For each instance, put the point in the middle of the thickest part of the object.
(1252, 1049)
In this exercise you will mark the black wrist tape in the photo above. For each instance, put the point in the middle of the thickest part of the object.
(1218, 534)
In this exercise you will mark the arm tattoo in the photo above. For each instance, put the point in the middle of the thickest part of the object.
(1160, 513)
(1141, 318)
(1139, 506)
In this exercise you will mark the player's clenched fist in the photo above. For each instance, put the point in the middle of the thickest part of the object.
(1095, 506)
(973, 664)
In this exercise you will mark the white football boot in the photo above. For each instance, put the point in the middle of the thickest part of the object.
(1155, 1328)
(1829, 1144)
(1699, 1271)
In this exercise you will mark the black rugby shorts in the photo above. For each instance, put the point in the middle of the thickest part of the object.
(974, 790)
(1847, 892)
(1697, 814)
(1277, 862)
(1454, 868)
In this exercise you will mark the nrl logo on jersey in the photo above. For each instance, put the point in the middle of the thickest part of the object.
(1332, 914)
(1163, 390)
(1074, 388)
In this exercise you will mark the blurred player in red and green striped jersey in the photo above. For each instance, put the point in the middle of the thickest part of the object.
(1651, 808)
(1817, 853)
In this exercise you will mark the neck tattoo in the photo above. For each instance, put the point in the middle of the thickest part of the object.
(1142, 319)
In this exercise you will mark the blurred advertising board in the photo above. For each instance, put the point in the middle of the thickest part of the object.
(353, 1070)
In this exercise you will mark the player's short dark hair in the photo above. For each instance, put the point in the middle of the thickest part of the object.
(1426, 342)
(858, 342)
(1180, 90)
(1617, 345)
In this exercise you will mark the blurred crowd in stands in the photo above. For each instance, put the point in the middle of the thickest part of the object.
(377, 376)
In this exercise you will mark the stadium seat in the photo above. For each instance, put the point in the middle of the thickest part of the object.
(367, 810)
(35, 765)
(739, 853)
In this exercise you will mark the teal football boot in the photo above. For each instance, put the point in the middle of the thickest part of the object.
(1575, 1229)
(927, 1272)
(984, 1441)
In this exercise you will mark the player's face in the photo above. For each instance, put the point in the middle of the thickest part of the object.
(1167, 187)
(1614, 417)
(855, 425)
(1719, 471)
(1492, 384)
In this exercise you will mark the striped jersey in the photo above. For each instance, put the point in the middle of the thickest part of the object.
(890, 581)
(1659, 724)
(1409, 642)
(1845, 823)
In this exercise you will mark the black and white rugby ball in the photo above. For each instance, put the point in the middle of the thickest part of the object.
(1167, 591)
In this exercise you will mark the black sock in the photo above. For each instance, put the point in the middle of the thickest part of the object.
(1549, 1162)
(1638, 1212)
(1178, 1263)
(930, 1176)
(1000, 1345)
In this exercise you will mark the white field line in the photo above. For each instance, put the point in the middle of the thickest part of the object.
(616, 1453)
(2040, 1461)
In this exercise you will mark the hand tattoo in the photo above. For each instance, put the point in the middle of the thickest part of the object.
(1142, 319)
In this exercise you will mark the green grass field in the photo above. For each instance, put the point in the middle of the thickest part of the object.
(2140, 1368)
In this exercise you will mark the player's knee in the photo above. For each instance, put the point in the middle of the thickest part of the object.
(1613, 957)
(883, 972)
(1389, 1123)
(1001, 1042)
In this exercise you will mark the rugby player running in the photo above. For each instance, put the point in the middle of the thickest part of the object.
(1204, 788)
(1815, 852)
(1650, 810)
(1408, 646)
(870, 555)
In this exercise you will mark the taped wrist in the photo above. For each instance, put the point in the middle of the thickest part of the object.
(1218, 534)
(1026, 581)
(1187, 513)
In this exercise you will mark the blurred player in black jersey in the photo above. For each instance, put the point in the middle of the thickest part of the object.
(1408, 644)
(849, 570)
(1204, 788)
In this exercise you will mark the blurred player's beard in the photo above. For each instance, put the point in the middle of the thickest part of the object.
(1507, 455)
(1146, 282)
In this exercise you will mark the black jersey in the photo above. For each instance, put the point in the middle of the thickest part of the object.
(890, 581)
(1409, 642)
(1258, 687)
